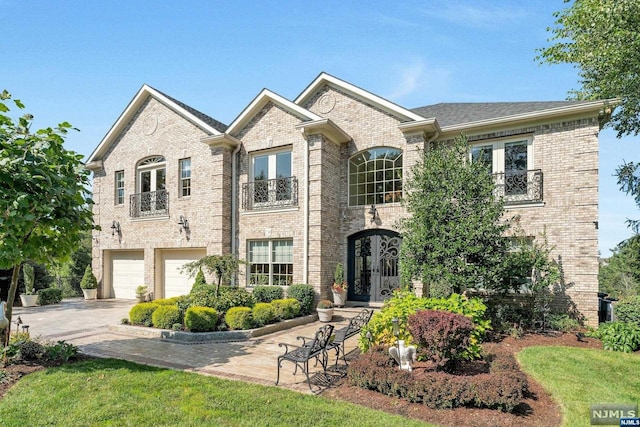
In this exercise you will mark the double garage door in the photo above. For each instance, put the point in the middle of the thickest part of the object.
(127, 269)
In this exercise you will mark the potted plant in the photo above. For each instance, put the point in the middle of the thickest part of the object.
(141, 293)
(325, 310)
(29, 298)
(339, 287)
(89, 284)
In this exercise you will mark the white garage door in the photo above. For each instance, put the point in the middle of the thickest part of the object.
(175, 282)
(127, 272)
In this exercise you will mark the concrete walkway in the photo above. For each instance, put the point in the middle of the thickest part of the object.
(86, 324)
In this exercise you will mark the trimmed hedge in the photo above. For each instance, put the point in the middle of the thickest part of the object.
(141, 314)
(503, 388)
(201, 319)
(262, 314)
(267, 293)
(305, 294)
(49, 296)
(239, 318)
(165, 316)
(284, 309)
(168, 301)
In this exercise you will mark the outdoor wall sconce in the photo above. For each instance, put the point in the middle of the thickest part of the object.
(373, 212)
(115, 228)
(184, 224)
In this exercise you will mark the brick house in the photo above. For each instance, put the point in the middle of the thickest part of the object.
(294, 187)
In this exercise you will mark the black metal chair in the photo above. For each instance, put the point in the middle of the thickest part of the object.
(353, 328)
(311, 348)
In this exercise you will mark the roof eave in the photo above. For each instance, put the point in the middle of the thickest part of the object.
(327, 128)
(571, 111)
(223, 140)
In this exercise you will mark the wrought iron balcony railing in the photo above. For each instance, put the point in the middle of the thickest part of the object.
(149, 204)
(270, 193)
(519, 187)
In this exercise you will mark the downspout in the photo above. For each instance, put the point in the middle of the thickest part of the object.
(234, 192)
(305, 249)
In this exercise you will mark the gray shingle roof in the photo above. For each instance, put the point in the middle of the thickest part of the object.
(455, 113)
(219, 126)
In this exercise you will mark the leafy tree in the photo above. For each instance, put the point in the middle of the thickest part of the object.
(44, 204)
(601, 39)
(454, 232)
(69, 272)
(223, 267)
(620, 276)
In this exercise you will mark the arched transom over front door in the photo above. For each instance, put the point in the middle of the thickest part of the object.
(373, 271)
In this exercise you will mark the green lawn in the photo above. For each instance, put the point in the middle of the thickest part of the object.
(109, 392)
(578, 378)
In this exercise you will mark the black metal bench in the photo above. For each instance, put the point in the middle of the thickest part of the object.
(353, 328)
(311, 348)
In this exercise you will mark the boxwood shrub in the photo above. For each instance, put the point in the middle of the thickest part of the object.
(165, 316)
(141, 314)
(284, 309)
(239, 318)
(168, 301)
(305, 294)
(49, 296)
(267, 293)
(262, 314)
(201, 319)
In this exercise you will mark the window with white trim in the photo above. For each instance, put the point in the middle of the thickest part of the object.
(185, 177)
(272, 178)
(270, 262)
(375, 176)
(511, 163)
(119, 187)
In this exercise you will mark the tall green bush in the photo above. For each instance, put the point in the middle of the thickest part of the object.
(88, 281)
(267, 293)
(628, 310)
(305, 294)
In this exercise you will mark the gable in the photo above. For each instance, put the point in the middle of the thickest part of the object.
(126, 119)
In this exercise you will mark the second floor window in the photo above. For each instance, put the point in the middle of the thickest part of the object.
(119, 181)
(511, 163)
(375, 176)
(185, 177)
(151, 198)
(272, 178)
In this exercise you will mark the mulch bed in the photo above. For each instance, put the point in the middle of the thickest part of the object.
(537, 409)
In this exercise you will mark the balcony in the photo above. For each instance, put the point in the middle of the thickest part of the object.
(270, 193)
(150, 204)
(519, 187)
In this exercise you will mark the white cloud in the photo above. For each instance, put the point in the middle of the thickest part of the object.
(477, 14)
(417, 84)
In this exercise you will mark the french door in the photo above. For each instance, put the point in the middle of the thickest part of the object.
(373, 272)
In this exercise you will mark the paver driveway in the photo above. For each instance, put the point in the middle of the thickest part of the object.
(86, 324)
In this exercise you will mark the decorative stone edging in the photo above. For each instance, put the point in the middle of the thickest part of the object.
(182, 337)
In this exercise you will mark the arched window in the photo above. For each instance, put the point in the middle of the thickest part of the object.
(375, 176)
(151, 198)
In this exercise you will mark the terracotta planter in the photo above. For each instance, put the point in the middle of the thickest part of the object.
(29, 300)
(90, 293)
(325, 314)
(339, 298)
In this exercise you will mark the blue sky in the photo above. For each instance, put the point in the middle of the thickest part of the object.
(82, 61)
